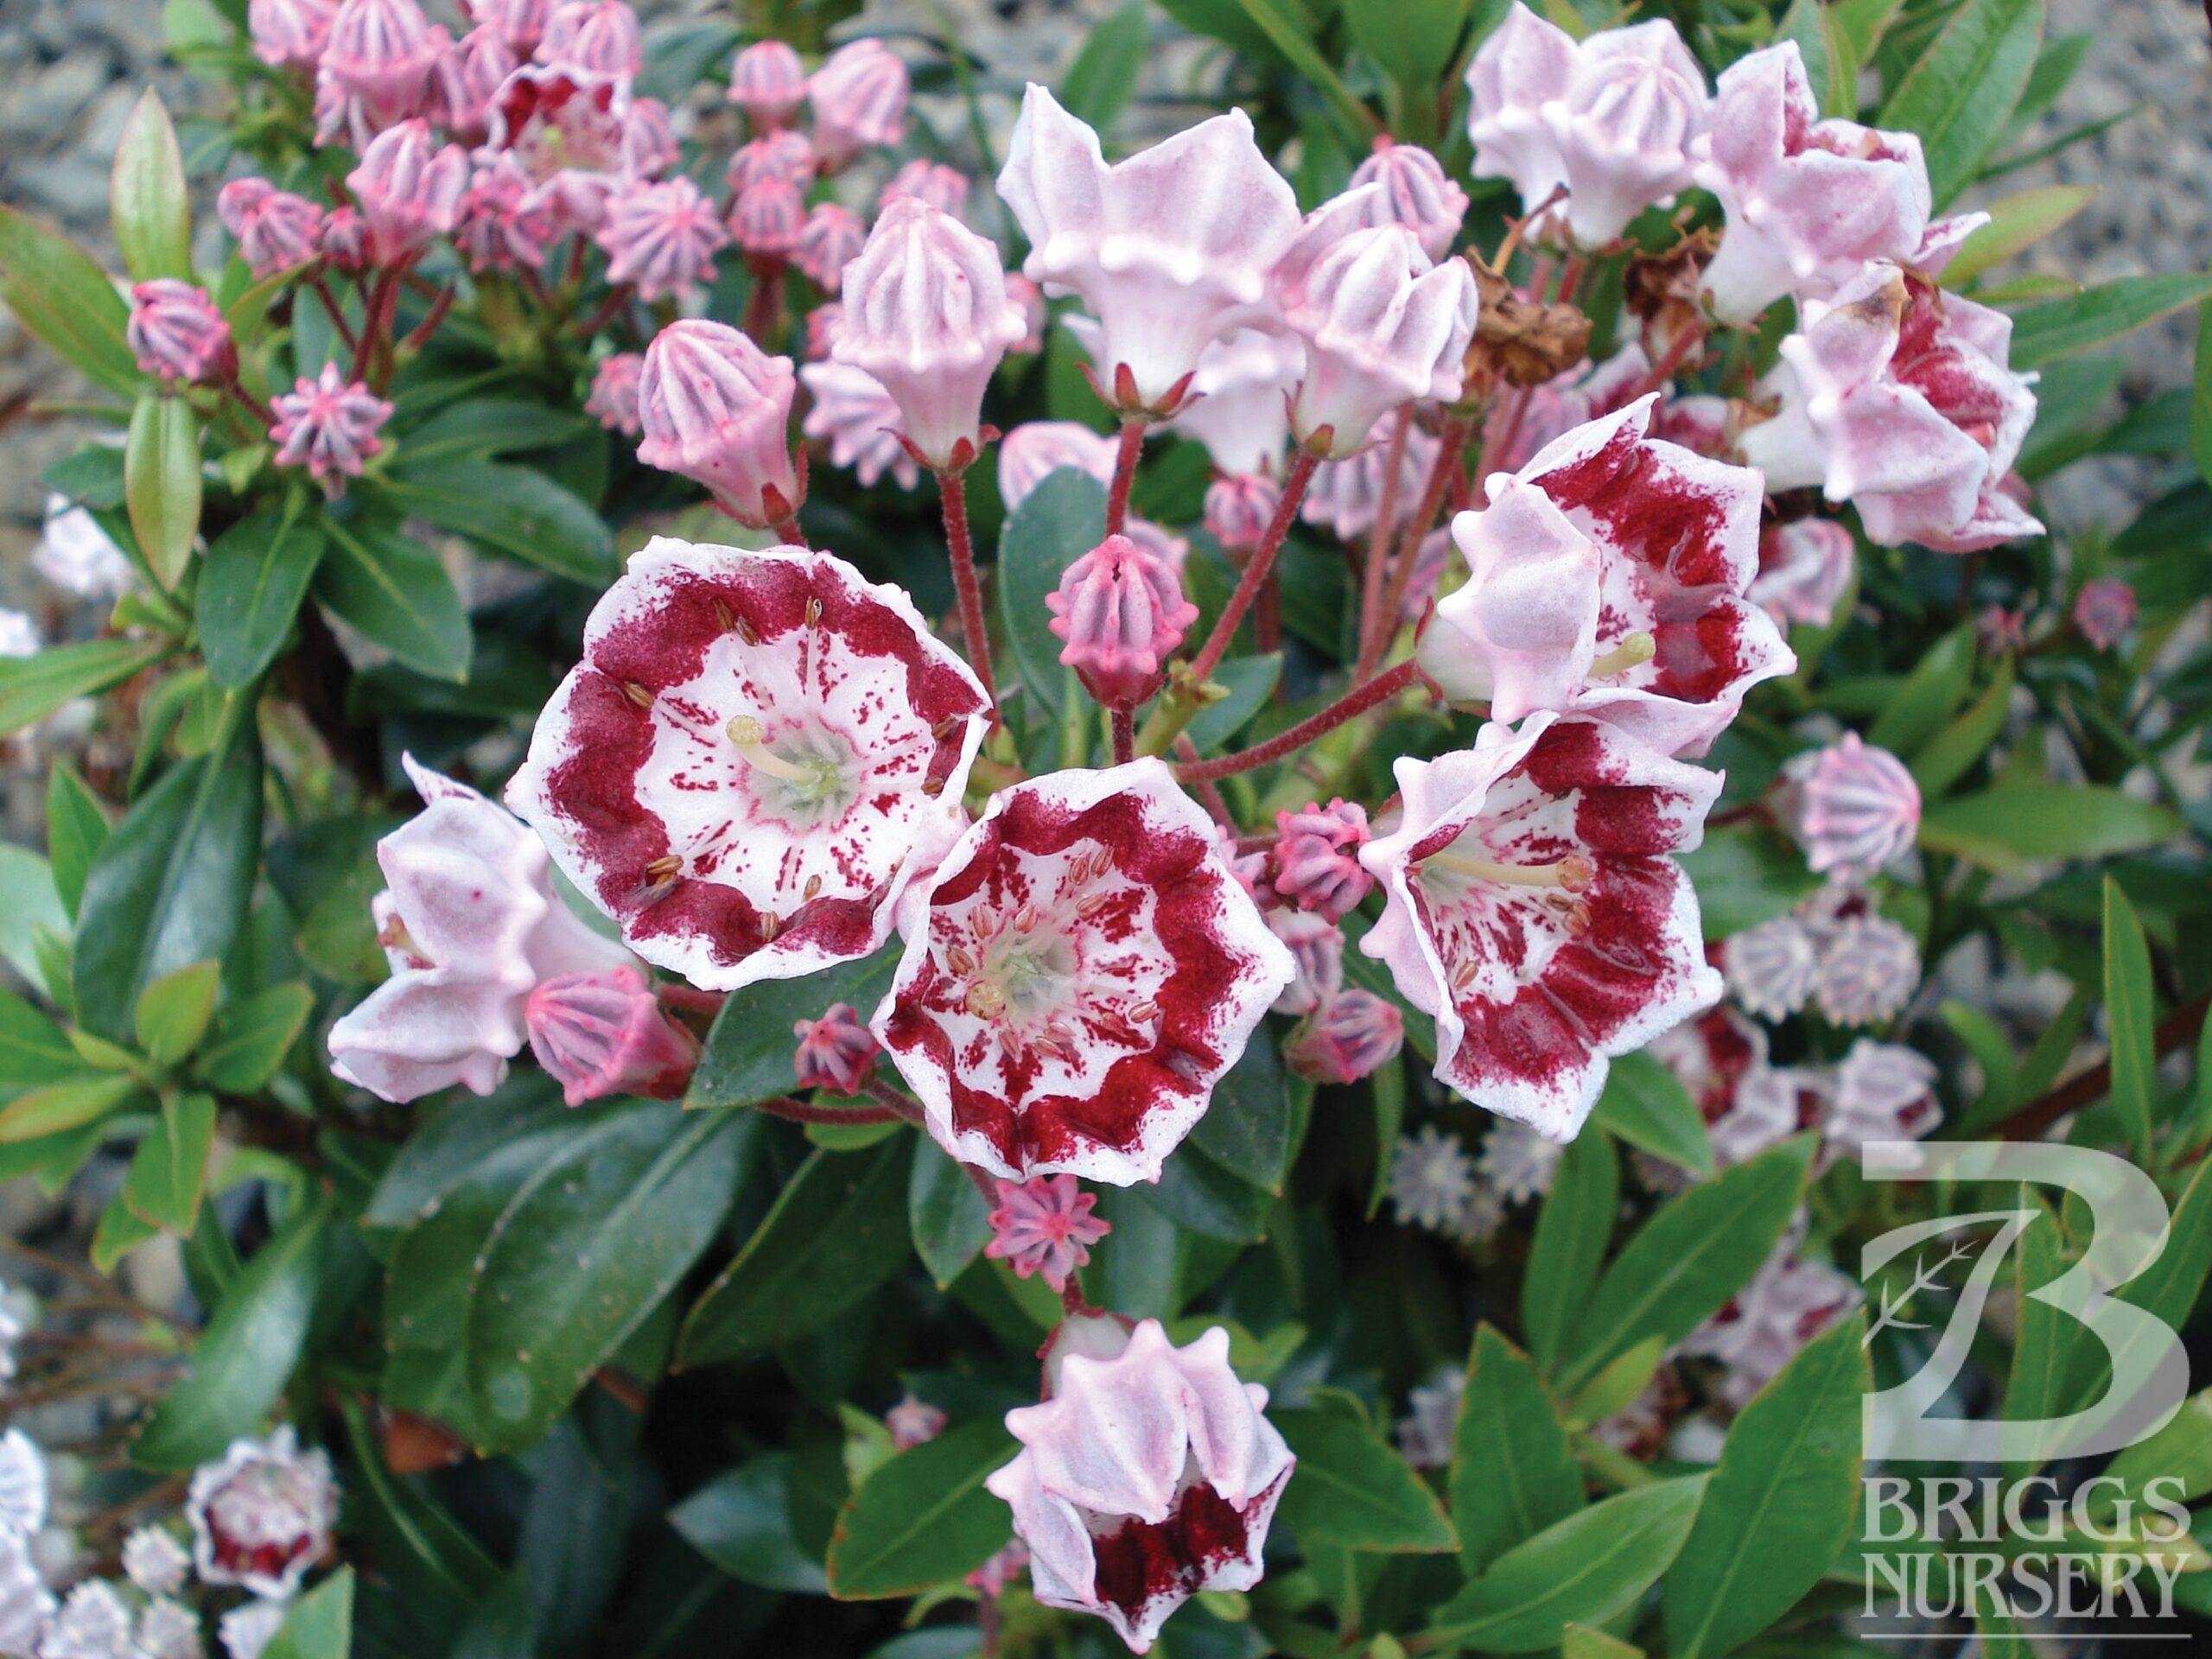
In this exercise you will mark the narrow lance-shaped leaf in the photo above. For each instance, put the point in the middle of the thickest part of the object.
(147, 198)
(162, 483)
(1512, 1472)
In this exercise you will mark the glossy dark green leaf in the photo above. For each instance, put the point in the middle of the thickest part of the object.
(923, 1518)
(1202, 1197)
(394, 590)
(1951, 753)
(517, 511)
(1246, 1127)
(477, 428)
(32, 1051)
(1928, 695)
(67, 303)
(1573, 1229)
(1060, 520)
(168, 1172)
(174, 1011)
(256, 575)
(253, 1035)
(741, 1522)
(1745, 874)
(1959, 94)
(148, 203)
(2043, 1340)
(1646, 1105)
(2130, 1014)
(1512, 1473)
(1349, 1488)
(31, 688)
(946, 1213)
(76, 828)
(2098, 315)
(749, 1054)
(320, 1623)
(2006, 829)
(1103, 77)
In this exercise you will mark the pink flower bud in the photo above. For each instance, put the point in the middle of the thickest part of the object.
(768, 82)
(605, 1033)
(1044, 1226)
(1122, 612)
(410, 189)
(504, 224)
(715, 407)
(613, 399)
(1029, 299)
(521, 23)
(289, 31)
(926, 314)
(1352, 1035)
(1869, 968)
(784, 155)
(2104, 611)
(1804, 566)
(1624, 127)
(1882, 1092)
(1317, 858)
(179, 335)
(663, 238)
(768, 219)
(599, 36)
(649, 142)
(1033, 451)
(836, 1052)
(1416, 192)
(1997, 630)
(1854, 807)
(1525, 63)
(830, 240)
(859, 98)
(913, 1422)
(329, 427)
(375, 70)
(942, 188)
(345, 238)
(1316, 945)
(821, 326)
(1240, 509)
(852, 410)
(1381, 327)
(276, 230)
(466, 80)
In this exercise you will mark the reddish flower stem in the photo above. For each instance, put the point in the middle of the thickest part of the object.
(800, 1111)
(690, 998)
(1208, 794)
(1255, 568)
(334, 311)
(764, 308)
(251, 404)
(609, 308)
(895, 1102)
(429, 325)
(1380, 628)
(1378, 541)
(380, 299)
(1570, 278)
(1125, 736)
(1125, 473)
(2175, 1031)
(787, 530)
(1350, 706)
(1663, 370)
(952, 490)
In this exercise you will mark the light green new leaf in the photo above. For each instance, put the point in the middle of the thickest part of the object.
(923, 1518)
(1959, 93)
(31, 909)
(31, 688)
(147, 198)
(1948, 756)
(1512, 1472)
(168, 1172)
(58, 1107)
(162, 483)
(67, 303)
(32, 1051)
(1928, 695)
(174, 1011)
(1646, 1105)
(76, 828)
(2044, 332)
(2016, 224)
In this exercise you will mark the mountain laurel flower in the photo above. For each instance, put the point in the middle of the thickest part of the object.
(1804, 566)
(821, 326)
(768, 82)
(1532, 906)
(1882, 1092)
(926, 314)
(768, 219)
(1763, 1326)
(329, 425)
(850, 408)
(1524, 66)
(345, 239)
(1347, 1036)
(1316, 858)
(260, 1515)
(605, 1033)
(1772, 968)
(1870, 967)
(1150, 1475)
(409, 188)
(1347, 495)
(858, 97)
(1624, 126)
(1516, 1163)
(1166, 267)
(503, 224)
(1119, 612)
(521, 23)
(1239, 401)
(1854, 807)
(716, 409)
(1044, 1226)
(374, 71)
(2104, 610)
(1607, 577)
(830, 240)
(613, 399)
(1085, 970)
(1239, 509)
(1316, 946)
(25, 1482)
(944, 188)
(177, 333)
(1033, 451)
(1809, 201)
(1417, 191)
(466, 80)
(275, 229)
(663, 238)
(599, 36)
(746, 765)
(783, 154)
(913, 1422)
(1432, 1180)
(289, 31)
(573, 135)
(836, 1052)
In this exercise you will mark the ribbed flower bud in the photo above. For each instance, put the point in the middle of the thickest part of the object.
(716, 407)
(605, 1033)
(768, 82)
(1121, 611)
(179, 335)
(409, 188)
(859, 99)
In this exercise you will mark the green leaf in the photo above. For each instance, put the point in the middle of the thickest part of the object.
(923, 1518)
(1291, 32)
(1617, 1384)
(517, 511)
(2096, 315)
(1959, 93)
(1779, 1506)
(2130, 1013)
(1202, 1197)
(477, 428)
(242, 1360)
(256, 573)
(171, 885)
(174, 1011)
(1690, 1258)
(31, 688)
(2200, 405)
(1246, 1127)
(1059, 521)
(58, 1107)
(252, 1036)
(1350, 1489)
(946, 1212)
(118, 1233)
(321, 1624)
(394, 590)
(1928, 695)
(1250, 683)
(749, 1054)
(1573, 1229)
(162, 483)
(67, 303)
(1411, 39)
(1745, 874)
(1830, 65)
(2005, 830)
(30, 907)
(1582, 1570)
(1586, 1641)
(1948, 756)
(170, 1170)
(2043, 1340)
(1512, 1473)
(1646, 1105)
(1103, 77)
(741, 1522)
(76, 826)
(837, 1231)
(32, 1051)
(147, 198)
(2016, 224)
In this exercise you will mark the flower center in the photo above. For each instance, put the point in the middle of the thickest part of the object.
(1635, 650)
(1571, 874)
(808, 779)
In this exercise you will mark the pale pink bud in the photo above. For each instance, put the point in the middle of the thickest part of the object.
(850, 409)
(1121, 612)
(613, 399)
(1997, 630)
(1869, 968)
(649, 142)
(504, 224)
(1029, 299)
(1854, 807)
(1033, 451)
(276, 230)
(859, 99)
(346, 238)
(926, 314)
(942, 188)
(768, 218)
(521, 23)
(1382, 326)
(1525, 63)
(836, 1052)
(1240, 509)
(466, 80)
(598, 35)
(1804, 566)
(784, 155)
(715, 407)
(1416, 193)
(1624, 127)
(913, 1422)
(768, 82)
(821, 326)
(661, 237)
(328, 426)
(605, 1033)
(409, 188)
(375, 69)
(2104, 611)
(1044, 1225)
(830, 240)
(179, 335)
(289, 31)
(1352, 1035)
(1317, 864)
(1315, 943)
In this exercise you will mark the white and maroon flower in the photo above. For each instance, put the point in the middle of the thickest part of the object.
(177, 333)
(769, 219)
(912, 1422)
(830, 240)
(1347, 495)
(784, 154)
(504, 223)
(605, 1033)
(1033, 451)
(1416, 192)
(409, 188)
(1086, 969)
(1809, 201)
(1772, 968)
(1533, 908)
(1870, 967)
(613, 399)
(598, 35)
(25, 1485)
(942, 188)
(1148, 1475)
(1119, 612)
(1786, 1304)
(1045, 1225)
(1608, 578)
(743, 768)
(1769, 1104)
(329, 425)
(1239, 509)
(1804, 566)
(1170, 249)
(569, 133)
(663, 238)
(1710, 1056)
(768, 82)
(374, 70)
(2104, 611)
(858, 100)
(1525, 64)
(289, 31)
(1239, 404)
(472, 926)
(1350, 1034)
(261, 1516)
(1316, 946)
(859, 418)
(276, 230)
(1624, 125)
(716, 409)
(1316, 858)
(836, 1052)
(1882, 1092)
(1432, 1180)
(1854, 807)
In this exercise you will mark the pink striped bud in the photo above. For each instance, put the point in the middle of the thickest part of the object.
(2104, 611)
(613, 399)
(1350, 1035)
(375, 70)
(1317, 858)
(944, 188)
(504, 223)
(276, 230)
(715, 407)
(859, 99)
(1122, 612)
(289, 31)
(409, 188)
(784, 154)
(605, 1033)
(768, 82)
(345, 238)
(465, 82)
(1240, 509)
(663, 238)
(830, 240)
(597, 36)
(328, 426)
(179, 335)
(521, 23)
(836, 1052)
(1416, 192)
(767, 220)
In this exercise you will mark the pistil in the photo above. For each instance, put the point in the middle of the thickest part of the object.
(1634, 651)
(1571, 874)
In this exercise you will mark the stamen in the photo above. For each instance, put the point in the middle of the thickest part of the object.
(745, 733)
(957, 959)
(1634, 651)
(771, 925)
(1573, 872)
(637, 694)
(1025, 919)
(664, 868)
(813, 888)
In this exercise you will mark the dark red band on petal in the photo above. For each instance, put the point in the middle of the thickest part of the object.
(1143, 1563)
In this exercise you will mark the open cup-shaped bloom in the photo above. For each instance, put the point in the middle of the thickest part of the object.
(1148, 1475)
(1239, 407)
(1608, 577)
(1086, 969)
(1804, 566)
(743, 767)
(1033, 451)
(569, 132)
(1532, 907)
(260, 1515)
